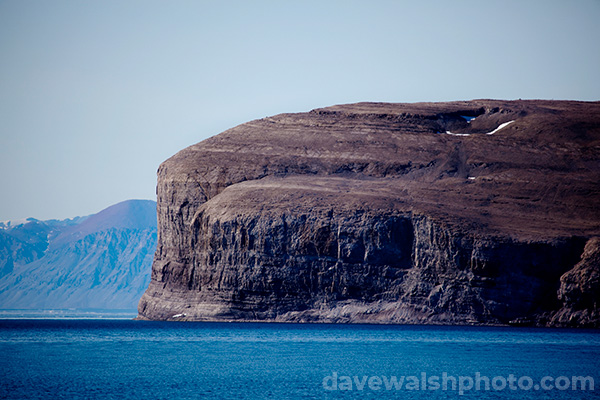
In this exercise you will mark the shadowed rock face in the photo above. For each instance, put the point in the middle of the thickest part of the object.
(371, 212)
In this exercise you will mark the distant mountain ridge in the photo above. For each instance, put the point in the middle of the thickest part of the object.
(24, 241)
(131, 214)
(16, 223)
(97, 262)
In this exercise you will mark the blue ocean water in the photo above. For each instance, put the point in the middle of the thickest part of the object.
(121, 359)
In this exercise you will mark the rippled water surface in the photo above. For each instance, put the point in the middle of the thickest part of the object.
(123, 359)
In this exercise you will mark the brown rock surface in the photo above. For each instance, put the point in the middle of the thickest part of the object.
(374, 212)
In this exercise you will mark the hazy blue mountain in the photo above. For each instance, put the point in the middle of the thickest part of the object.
(102, 261)
(24, 241)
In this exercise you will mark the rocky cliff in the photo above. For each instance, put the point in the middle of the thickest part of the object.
(483, 212)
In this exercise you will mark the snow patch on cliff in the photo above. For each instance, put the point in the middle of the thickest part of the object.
(501, 126)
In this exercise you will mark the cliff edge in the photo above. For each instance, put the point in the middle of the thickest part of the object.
(470, 212)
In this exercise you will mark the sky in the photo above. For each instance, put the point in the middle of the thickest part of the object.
(94, 95)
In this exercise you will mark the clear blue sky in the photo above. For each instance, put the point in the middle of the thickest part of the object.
(94, 95)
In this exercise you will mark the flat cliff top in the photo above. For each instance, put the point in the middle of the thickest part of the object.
(523, 169)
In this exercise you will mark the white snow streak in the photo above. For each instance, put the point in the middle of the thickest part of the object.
(501, 126)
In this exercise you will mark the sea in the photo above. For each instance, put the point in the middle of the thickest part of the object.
(126, 359)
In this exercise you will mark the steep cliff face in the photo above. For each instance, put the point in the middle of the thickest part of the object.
(463, 212)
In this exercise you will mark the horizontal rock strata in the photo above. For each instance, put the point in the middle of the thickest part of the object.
(388, 213)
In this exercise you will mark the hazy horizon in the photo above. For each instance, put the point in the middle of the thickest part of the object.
(95, 95)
